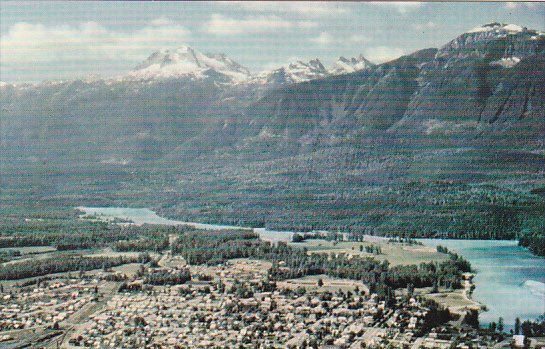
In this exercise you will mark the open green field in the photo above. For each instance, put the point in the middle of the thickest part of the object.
(329, 284)
(30, 249)
(394, 252)
(455, 301)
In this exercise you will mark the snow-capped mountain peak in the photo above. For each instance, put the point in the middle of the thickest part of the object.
(188, 62)
(497, 27)
(300, 71)
(314, 65)
(346, 66)
(516, 42)
(294, 72)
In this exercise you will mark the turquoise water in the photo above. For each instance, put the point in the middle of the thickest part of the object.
(141, 216)
(510, 280)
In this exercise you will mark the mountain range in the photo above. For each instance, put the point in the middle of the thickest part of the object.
(218, 141)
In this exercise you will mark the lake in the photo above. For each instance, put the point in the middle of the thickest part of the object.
(141, 216)
(510, 280)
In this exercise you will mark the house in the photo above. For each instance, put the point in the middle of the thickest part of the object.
(518, 341)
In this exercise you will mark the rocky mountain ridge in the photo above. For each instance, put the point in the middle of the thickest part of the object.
(486, 83)
(188, 63)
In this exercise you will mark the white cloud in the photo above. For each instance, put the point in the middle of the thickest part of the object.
(161, 21)
(511, 5)
(381, 54)
(222, 25)
(358, 39)
(307, 24)
(402, 7)
(38, 43)
(424, 26)
(309, 8)
(282, 63)
(323, 39)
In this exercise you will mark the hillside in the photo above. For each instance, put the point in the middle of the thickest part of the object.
(441, 142)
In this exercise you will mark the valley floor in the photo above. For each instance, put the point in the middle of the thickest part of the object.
(164, 301)
(223, 306)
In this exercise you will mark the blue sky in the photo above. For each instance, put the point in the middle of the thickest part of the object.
(60, 40)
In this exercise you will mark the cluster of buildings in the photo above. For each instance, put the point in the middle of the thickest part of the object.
(226, 306)
(235, 308)
(44, 305)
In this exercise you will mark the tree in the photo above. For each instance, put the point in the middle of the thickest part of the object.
(320, 282)
(517, 326)
(410, 290)
(435, 287)
(139, 321)
(526, 328)
(500, 325)
(297, 238)
(492, 326)
(472, 319)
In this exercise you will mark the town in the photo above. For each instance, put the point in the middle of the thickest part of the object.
(232, 305)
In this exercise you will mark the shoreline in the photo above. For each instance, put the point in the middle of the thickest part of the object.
(468, 291)
(461, 298)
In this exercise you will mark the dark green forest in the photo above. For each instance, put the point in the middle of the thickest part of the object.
(211, 248)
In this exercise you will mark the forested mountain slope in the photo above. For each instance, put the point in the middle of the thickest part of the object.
(441, 142)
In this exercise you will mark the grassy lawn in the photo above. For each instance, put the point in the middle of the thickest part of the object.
(454, 300)
(129, 269)
(329, 283)
(30, 249)
(395, 253)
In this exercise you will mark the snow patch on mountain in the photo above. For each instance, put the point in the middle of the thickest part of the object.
(116, 161)
(508, 62)
(346, 66)
(474, 43)
(295, 72)
(496, 27)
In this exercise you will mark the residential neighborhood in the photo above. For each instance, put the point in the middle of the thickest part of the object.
(234, 305)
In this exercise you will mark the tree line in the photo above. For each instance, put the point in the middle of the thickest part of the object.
(68, 235)
(214, 247)
(534, 242)
(64, 263)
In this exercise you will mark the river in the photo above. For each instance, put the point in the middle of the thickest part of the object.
(510, 281)
(141, 216)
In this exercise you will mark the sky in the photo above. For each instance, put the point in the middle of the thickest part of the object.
(68, 40)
